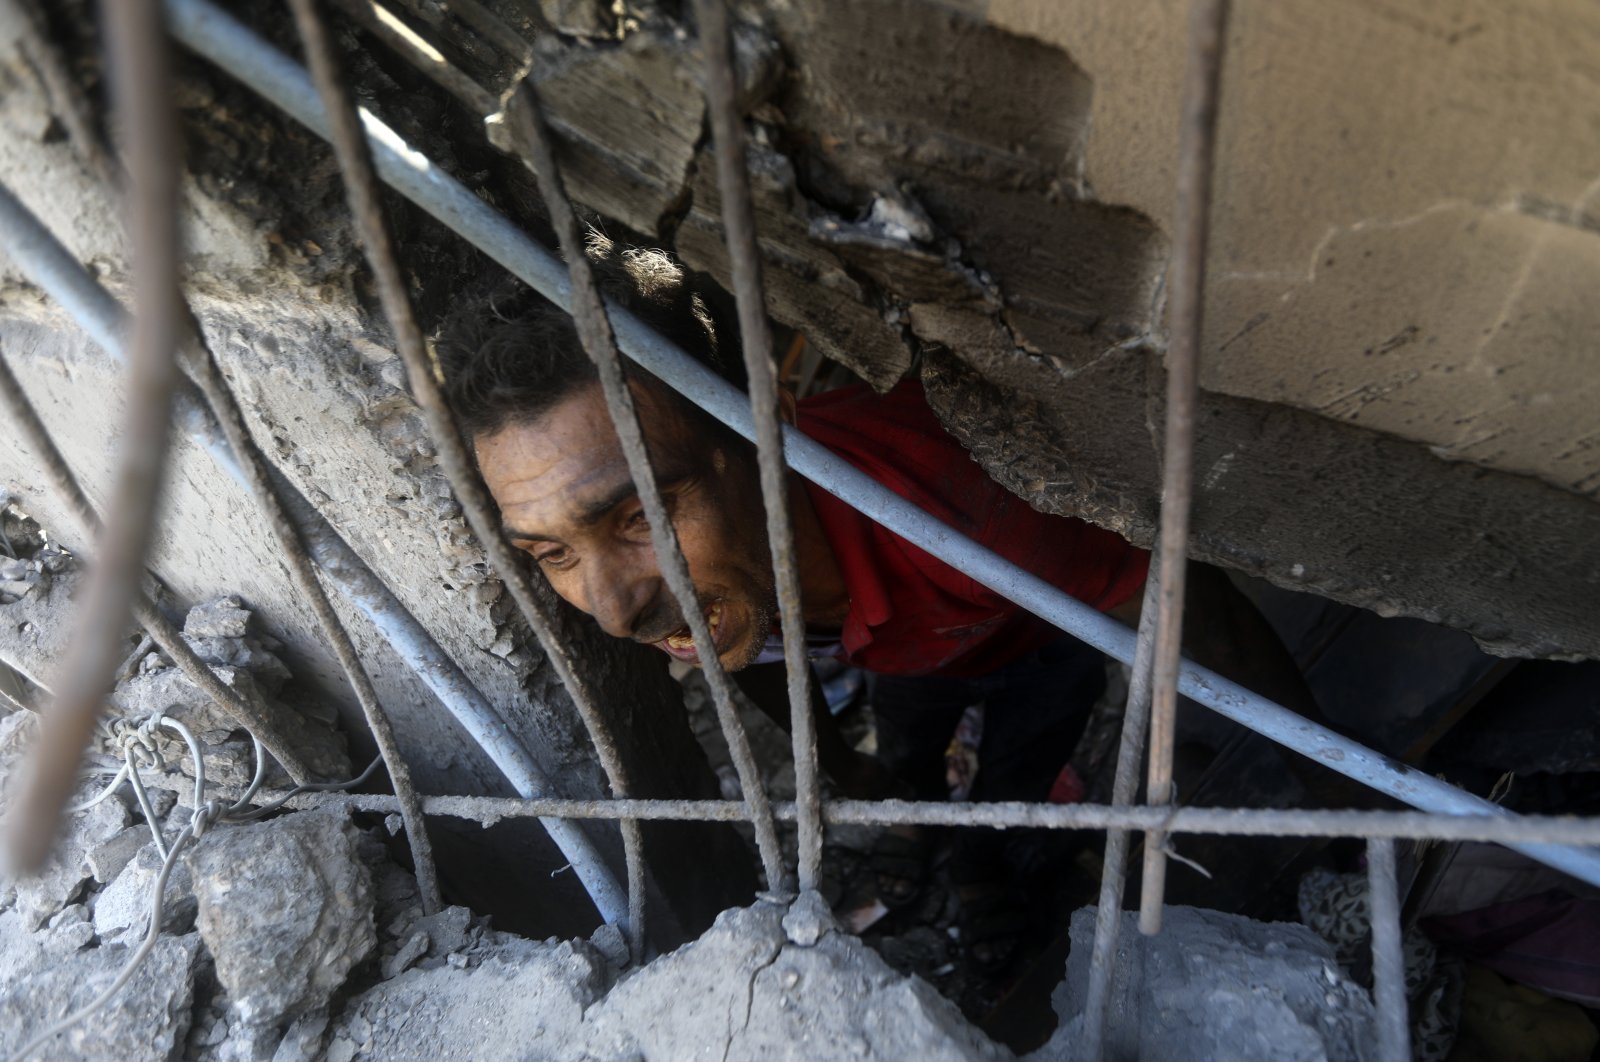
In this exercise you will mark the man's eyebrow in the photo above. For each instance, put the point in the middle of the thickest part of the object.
(596, 510)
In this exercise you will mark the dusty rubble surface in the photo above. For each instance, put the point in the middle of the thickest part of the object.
(1212, 986)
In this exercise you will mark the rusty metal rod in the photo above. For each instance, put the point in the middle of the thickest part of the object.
(203, 369)
(528, 125)
(1124, 789)
(1388, 964)
(1186, 277)
(1235, 822)
(355, 161)
(139, 73)
(755, 333)
(160, 631)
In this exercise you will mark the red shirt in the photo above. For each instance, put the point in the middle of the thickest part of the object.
(911, 614)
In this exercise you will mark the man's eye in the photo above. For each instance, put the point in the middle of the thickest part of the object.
(637, 522)
(555, 558)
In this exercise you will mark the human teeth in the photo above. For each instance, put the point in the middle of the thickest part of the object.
(714, 617)
(681, 641)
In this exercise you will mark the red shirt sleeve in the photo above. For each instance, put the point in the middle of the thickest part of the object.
(911, 613)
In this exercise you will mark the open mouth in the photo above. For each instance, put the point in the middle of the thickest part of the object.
(681, 644)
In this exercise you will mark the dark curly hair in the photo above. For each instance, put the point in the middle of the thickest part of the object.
(509, 355)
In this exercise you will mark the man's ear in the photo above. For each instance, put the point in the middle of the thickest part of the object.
(786, 404)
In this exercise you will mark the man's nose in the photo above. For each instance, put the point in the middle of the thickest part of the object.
(618, 594)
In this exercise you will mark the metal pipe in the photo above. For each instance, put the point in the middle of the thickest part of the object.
(139, 66)
(219, 37)
(594, 332)
(1186, 281)
(49, 265)
(1388, 964)
(739, 224)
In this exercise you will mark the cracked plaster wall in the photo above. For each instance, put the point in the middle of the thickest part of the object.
(1406, 227)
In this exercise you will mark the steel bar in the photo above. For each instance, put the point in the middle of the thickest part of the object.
(203, 369)
(1186, 281)
(212, 33)
(361, 188)
(139, 74)
(1234, 822)
(1388, 964)
(46, 263)
(1124, 788)
(527, 124)
(160, 631)
(744, 258)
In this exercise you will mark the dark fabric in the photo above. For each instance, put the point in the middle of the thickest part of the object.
(1034, 711)
(1549, 941)
(911, 614)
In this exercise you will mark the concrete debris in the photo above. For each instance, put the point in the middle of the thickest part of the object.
(1215, 985)
(148, 1021)
(285, 908)
(40, 896)
(743, 992)
(122, 909)
(219, 631)
(107, 858)
(526, 1001)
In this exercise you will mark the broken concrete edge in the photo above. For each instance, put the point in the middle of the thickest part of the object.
(298, 934)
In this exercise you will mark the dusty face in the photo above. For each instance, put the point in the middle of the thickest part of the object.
(567, 499)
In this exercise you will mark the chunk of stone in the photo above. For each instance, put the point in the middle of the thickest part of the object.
(224, 617)
(122, 909)
(68, 931)
(742, 991)
(449, 930)
(61, 880)
(608, 940)
(1214, 985)
(148, 1020)
(526, 1000)
(285, 908)
(415, 947)
(107, 858)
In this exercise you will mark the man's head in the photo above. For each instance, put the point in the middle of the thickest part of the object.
(528, 396)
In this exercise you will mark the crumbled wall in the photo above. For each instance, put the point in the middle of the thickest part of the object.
(277, 283)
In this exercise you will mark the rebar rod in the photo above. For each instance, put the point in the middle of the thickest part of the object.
(1388, 963)
(755, 333)
(219, 37)
(139, 74)
(159, 630)
(355, 162)
(204, 371)
(527, 124)
(49, 265)
(1124, 788)
(1186, 278)
(1235, 822)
